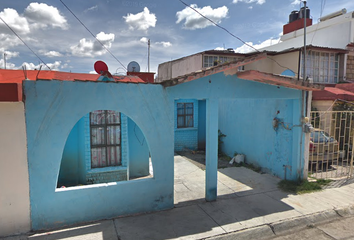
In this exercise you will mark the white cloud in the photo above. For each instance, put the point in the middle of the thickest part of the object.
(245, 49)
(18, 23)
(141, 21)
(9, 54)
(296, 2)
(164, 44)
(8, 64)
(8, 41)
(51, 53)
(144, 39)
(31, 66)
(55, 65)
(194, 21)
(219, 48)
(250, 7)
(92, 72)
(88, 48)
(91, 8)
(260, 2)
(43, 15)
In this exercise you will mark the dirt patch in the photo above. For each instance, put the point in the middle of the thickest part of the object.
(198, 159)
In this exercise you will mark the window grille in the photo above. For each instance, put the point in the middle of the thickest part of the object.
(105, 133)
(185, 118)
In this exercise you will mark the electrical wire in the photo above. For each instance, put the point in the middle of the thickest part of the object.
(25, 43)
(324, 112)
(195, 10)
(93, 34)
(323, 4)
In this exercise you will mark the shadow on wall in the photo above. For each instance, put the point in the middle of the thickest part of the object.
(104, 146)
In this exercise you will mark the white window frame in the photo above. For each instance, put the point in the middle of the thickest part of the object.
(219, 58)
(322, 67)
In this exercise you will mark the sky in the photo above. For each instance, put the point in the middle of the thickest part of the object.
(124, 27)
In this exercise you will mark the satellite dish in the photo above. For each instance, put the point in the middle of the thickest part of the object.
(133, 67)
(100, 67)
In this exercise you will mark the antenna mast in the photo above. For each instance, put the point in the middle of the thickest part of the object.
(149, 55)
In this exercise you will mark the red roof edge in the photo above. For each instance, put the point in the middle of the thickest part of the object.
(10, 92)
(333, 93)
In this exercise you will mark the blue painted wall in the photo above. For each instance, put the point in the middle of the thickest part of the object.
(187, 138)
(52, 110)
(138, 151)
(69, 167)
(248, 126)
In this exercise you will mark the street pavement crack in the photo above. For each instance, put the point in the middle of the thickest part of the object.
(115, 228)
(272, 228)
(212, 218)
(326, 233)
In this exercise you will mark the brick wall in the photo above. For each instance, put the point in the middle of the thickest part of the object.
(350, 68)
(187, 138)
(107, 174)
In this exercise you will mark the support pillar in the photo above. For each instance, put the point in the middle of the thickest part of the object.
(211, 160)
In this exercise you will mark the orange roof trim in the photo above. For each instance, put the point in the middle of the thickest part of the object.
(17, 76)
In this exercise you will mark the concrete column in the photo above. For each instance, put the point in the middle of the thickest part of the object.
(211, 148)
(307, 139)
(298, 144)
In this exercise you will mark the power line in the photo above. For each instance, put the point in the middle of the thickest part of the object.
(232, 34)
(93, 35)
(323, 4)
(24, 43)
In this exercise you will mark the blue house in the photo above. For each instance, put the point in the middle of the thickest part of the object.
(99, 139)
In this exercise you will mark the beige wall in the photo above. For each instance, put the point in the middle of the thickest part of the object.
(322, 105)
(14, 184)
(179, 67)
(187, 65)
(287, 60)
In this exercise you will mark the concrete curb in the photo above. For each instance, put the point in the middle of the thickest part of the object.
(268, 231)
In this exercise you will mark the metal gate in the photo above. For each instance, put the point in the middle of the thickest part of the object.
(331, 145)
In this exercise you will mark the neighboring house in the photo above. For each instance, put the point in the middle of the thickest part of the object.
(330, 55)
(195, 62)
(65, 131)
(330, 61)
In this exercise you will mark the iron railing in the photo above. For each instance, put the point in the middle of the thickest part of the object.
(331, 145)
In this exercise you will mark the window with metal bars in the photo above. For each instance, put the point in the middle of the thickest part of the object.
(322, 67)
(185, 118)
(209, 61)
(105, 134)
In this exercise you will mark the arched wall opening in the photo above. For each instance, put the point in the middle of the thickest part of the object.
(104, 146)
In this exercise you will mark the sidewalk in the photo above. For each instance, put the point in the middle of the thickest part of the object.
(249, 206)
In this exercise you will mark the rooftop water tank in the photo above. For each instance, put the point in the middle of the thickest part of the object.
(294, 15)
(302, 12)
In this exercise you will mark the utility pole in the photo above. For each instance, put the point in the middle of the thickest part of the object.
(149, 55)
(304, 72)
(5, 60)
